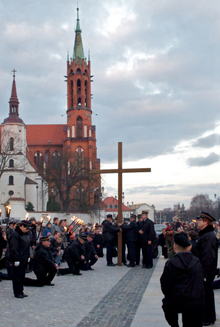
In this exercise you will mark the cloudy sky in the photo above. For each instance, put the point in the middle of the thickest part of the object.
(156, 85)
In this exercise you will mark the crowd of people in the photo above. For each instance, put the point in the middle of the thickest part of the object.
(187, 280)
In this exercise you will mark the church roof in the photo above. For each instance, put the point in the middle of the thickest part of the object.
(29, 181)
(44, 134)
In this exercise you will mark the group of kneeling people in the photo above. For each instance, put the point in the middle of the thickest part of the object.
(80, 254)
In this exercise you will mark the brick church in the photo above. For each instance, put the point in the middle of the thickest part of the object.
(34, 150)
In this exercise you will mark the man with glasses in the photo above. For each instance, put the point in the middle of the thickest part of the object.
(206, 249)
(19, 254)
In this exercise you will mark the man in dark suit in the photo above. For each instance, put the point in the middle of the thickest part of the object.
(147, 236)
(109, 232)
(131, 233)
(206, 249)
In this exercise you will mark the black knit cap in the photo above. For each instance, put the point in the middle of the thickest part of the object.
(109, 216)
(181, 239)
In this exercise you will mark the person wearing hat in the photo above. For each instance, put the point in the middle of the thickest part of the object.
(44, 265)
(19, 254)
(131, 234)
(33, 238)
(148, 234)
(98, 243)
(90, 253)
(182, 285)
(74, 255)
(109, 232)
(206, 249)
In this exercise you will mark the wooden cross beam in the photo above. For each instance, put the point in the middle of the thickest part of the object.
(120, 171)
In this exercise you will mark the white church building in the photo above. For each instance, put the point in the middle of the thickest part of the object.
(20, 181)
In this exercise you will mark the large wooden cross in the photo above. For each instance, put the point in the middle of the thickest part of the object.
(120, 171)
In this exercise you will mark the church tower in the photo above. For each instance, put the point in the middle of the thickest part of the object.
(81, 134)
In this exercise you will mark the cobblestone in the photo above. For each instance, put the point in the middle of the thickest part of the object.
(72, 299)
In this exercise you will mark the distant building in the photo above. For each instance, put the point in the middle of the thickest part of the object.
(138, 208)
(110, 205)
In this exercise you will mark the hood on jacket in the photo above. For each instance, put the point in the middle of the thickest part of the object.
(184, 260)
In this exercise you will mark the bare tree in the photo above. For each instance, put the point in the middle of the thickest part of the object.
(69, 180)
(200, 202)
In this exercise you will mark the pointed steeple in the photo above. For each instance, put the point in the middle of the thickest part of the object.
(78, 53)
(13, 105)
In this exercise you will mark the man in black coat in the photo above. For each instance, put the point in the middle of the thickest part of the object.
(131, 234)
(44, 266)
(19, 255)
(90, 253)
(74, 255)
(109, 232)
(138, 244)
(98, 243)
(147, 236)
(206, 249)
(182, 285)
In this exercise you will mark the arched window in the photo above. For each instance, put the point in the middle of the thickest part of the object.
(38, 159)
(11, 144)
(11, 180)
(15, 109)
(71, 93)
(79, 101)
(73, 131)
(78, 71)
(12, 109)
(86, 73)
(56, 158)
(11, 163)
(68, 132)
(79, 154)
(79, 126)
(85, 131)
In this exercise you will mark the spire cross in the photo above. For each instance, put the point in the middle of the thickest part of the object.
(14, 71)
(120, 171)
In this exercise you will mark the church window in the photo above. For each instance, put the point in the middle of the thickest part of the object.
(78, 86)
(86, 73)
(90, 164)
(85, 131)
(38, 159)
(11, 180)
(68, 132)
(79, 157)
(12, 109)
(79, 126)
(11, 163)
(79, 101)
(78, 71)
(55, 158)
(73, 131)
(15, 109)
(71, 93)
(11, 144)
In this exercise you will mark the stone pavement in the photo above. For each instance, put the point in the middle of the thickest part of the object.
(107, 296)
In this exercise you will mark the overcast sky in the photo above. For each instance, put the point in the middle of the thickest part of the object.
(156, 85)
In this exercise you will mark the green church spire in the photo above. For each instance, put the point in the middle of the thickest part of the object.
(78, 53)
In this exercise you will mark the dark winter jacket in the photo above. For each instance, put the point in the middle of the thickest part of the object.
(43, 259)
(182, 283)
(54, 245)
(109, 231)
(19, 246)
(131, 231)
(149, 232)
(74, 251)
(89, 250)
(206, 249)
(97, 240)
(33, 235)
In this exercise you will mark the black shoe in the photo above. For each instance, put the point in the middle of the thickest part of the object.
(24, 295)
(124, 263)
(111, 264)
(58, 273)
(49, 284)
(90, 268)
(130, 265)
(77, 274)
(144, 266)
(149, 267)
(208, 323)
(19, 296)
